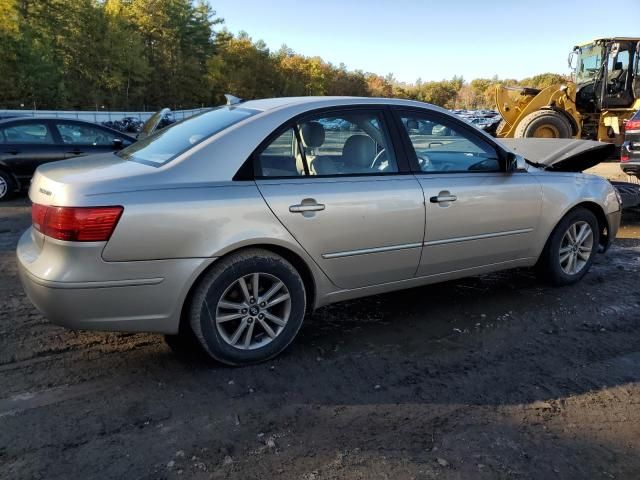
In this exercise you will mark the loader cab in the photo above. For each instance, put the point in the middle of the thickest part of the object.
(605, 73)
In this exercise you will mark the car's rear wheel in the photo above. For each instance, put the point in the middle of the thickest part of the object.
(571, 248)
(248, 308)
(6, 185)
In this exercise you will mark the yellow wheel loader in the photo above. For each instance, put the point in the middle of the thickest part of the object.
(603, 93)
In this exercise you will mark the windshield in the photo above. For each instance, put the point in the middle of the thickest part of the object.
(167, 144)
(589, 62)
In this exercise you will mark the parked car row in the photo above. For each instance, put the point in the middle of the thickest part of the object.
(131, 125)
(135, 126)
(630, 153)
(487, 120)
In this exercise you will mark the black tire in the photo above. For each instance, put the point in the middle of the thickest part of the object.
(221, 277)
(499, 127)
(7, 186)
(544, 124)
(549, 266)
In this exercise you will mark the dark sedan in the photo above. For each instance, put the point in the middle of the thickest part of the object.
(26, 143)
(630, 154)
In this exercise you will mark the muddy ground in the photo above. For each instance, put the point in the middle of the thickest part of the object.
(491, 377)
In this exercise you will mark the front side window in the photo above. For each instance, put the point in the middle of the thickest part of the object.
(27, 133)
(79, 134)
(166, 144)
(589, 63)
(440, 148)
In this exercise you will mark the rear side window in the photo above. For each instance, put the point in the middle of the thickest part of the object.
(27, 133)
(279, 159)
(346, 143)
(167, 144)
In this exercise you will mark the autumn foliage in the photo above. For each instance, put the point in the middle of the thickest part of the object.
(146, 54)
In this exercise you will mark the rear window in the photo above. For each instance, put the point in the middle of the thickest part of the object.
(167, 144)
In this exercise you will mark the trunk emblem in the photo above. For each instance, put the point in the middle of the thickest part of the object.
(46, 192)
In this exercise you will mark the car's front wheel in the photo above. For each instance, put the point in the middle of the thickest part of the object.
(571, 248)
(248, 307)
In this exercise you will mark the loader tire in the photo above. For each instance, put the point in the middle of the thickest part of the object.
(544, 124)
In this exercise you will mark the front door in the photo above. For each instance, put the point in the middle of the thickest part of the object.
(477, 214)
(335, 184)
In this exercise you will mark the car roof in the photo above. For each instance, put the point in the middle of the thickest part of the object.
(6, 121)
(266, 104)
(48, 118)
(608, 39)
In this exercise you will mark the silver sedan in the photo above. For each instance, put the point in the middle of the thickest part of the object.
(229, 226)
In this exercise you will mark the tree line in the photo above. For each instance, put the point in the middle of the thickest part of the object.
(148, 54)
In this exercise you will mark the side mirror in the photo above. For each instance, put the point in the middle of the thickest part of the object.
(118, 143)
(516, 163)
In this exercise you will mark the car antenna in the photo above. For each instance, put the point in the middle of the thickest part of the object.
(232, 100)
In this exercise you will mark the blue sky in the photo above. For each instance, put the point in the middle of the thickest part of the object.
(433, 39)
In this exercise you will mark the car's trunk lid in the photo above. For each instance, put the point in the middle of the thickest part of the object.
(68, 182)
(561, 154)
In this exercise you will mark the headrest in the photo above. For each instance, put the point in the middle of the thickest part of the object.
(312, 134)
(412, 124)
(359, 150)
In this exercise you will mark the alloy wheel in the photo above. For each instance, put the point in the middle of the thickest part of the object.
(253, 311)
(576, 247)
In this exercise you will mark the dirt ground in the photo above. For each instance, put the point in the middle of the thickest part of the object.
(492, 377)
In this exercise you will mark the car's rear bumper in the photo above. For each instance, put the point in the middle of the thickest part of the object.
(74, 287)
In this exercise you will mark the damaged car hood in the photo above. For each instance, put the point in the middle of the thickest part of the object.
(560, 154)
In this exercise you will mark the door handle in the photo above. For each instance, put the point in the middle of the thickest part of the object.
(302, 208)
(12, 152)
(443, 197)
(76, 152)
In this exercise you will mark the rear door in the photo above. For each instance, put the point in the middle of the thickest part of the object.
(476, 213)
(336, 183)
(25, 144)
(80, 138)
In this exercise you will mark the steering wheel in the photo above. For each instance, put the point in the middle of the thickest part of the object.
(487, 165)
(67, 139)
(377, 161)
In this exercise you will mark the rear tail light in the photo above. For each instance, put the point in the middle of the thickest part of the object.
(632, 125)
(624, 158)
(76, 224)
